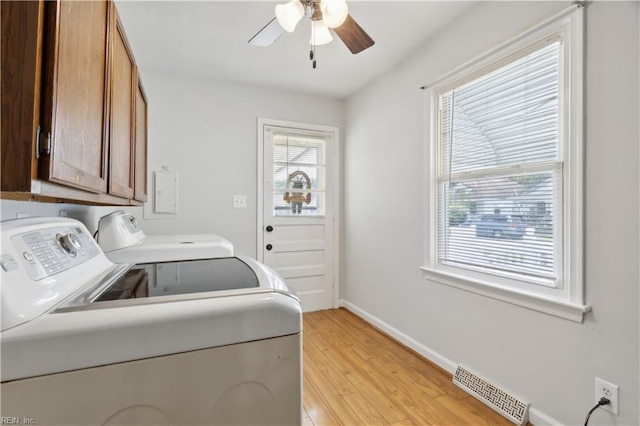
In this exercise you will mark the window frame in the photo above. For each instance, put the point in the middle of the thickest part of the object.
(566, 301)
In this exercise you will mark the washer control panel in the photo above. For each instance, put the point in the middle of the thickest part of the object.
(43, 261)
(53, 250)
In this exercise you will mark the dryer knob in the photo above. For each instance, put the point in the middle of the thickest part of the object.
(70, 243)
(133, 221)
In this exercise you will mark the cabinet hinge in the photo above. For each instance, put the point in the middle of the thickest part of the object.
(43, 143)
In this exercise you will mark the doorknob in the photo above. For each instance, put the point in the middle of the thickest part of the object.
(269, 228)
(269, 247)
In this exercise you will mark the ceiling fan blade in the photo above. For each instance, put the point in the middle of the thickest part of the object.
(267, 35)
(353, 36)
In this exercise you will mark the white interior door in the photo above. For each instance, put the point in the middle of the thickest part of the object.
(297, 231)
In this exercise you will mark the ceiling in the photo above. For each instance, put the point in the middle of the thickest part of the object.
(209, 39)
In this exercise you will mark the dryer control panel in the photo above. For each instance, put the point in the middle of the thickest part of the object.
(118, 230)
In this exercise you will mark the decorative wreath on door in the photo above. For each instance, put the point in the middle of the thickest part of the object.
(297, 180)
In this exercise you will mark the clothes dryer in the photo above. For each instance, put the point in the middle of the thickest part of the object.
(122, 239)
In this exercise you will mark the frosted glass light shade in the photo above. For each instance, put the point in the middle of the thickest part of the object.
(289, 14)
(320, 34)
(334, 12)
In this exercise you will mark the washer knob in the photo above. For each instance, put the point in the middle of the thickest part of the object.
(70, 243)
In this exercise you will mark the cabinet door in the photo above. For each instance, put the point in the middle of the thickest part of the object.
(141, 145)
(124, 85)
(75, 93)
(21, 63)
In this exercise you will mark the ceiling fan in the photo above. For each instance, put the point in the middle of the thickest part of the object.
(325, 15)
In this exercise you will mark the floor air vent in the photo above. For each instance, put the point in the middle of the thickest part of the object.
(508, 405)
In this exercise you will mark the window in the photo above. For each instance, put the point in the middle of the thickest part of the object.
(498, 147)
(299, 169)
(505, 171)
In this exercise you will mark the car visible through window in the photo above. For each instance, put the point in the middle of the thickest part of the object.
(500, 226)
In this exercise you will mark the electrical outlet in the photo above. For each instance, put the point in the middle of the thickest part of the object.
(610, 391)
(239, 201)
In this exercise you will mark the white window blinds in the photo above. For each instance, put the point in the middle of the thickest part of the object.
(500, 169)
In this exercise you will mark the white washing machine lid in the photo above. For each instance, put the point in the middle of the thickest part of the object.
(81, 333)
(162, 282)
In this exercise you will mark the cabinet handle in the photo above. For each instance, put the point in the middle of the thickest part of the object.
(46, 150)
(38, 142)
(269, 247)
(269, 228)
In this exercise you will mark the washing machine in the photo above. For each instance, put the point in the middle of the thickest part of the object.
(86, 341)
(122, 239)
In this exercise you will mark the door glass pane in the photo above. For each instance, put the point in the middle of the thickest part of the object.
(299, 174)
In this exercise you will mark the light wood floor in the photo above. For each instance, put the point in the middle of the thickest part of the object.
(355, 375)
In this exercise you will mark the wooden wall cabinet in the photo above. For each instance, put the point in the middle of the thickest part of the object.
(140, 168)
(75, 101)
(21, 65)
(70, 112)
(124, 82)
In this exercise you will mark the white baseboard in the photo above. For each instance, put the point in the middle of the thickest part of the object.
(406, 340)
(536, 417)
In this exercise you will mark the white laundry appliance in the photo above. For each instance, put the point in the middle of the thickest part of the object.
(85, 341)
(122, 239)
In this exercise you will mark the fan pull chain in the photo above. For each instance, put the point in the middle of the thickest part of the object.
(312, 53)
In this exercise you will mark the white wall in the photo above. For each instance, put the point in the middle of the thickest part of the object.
(549, 361)
(10, 209)
(206, 131)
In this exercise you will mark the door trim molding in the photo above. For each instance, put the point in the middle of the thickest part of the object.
(335, 156)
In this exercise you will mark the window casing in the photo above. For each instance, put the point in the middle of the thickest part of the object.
(504, 180)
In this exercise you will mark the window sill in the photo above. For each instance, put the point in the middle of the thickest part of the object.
(559, 308)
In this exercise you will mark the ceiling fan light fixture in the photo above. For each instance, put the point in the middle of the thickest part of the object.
(320, 34)
(289, 14)
(334, 12)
